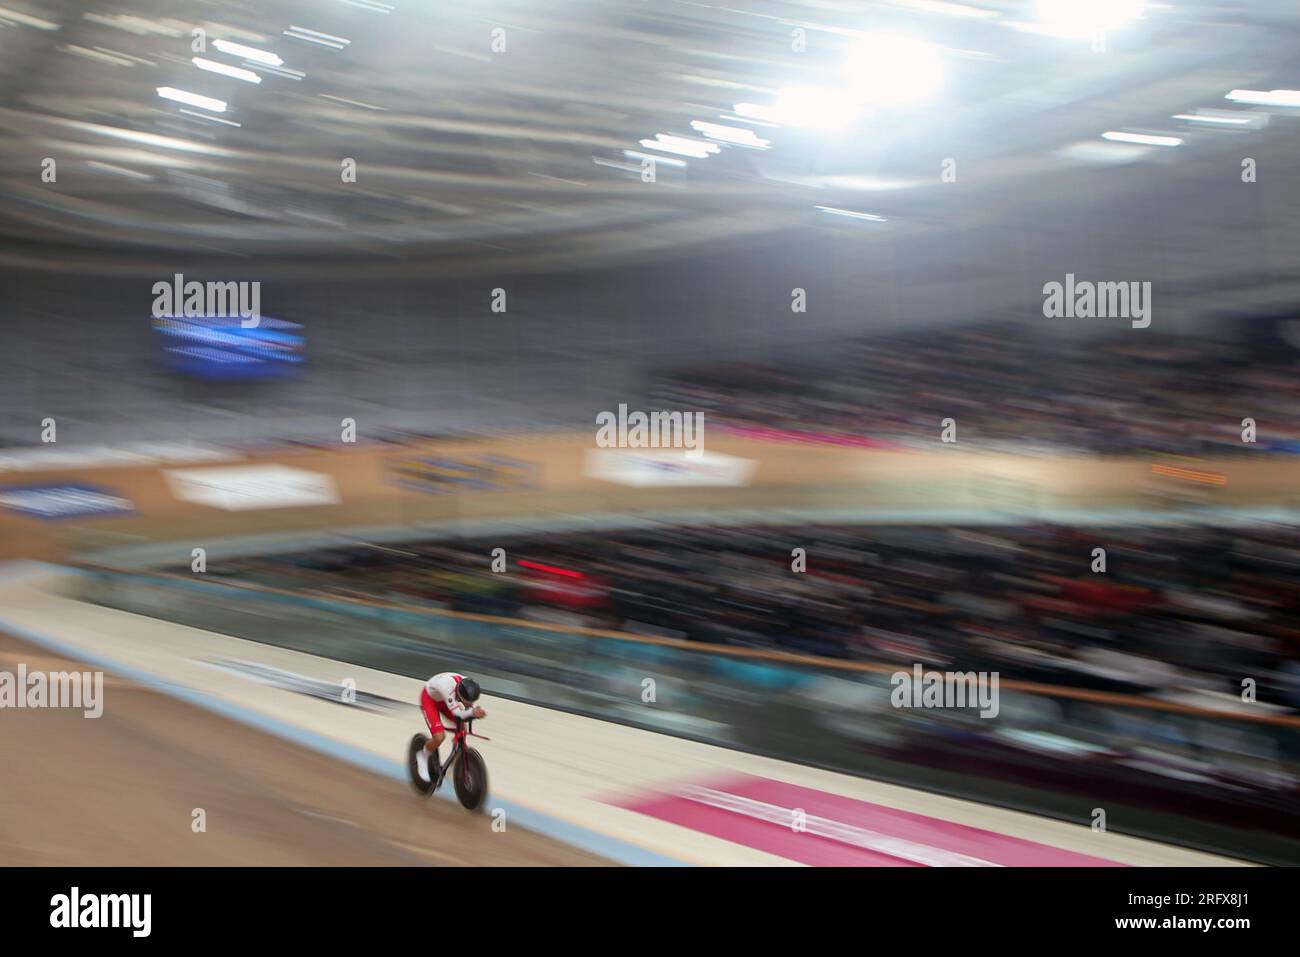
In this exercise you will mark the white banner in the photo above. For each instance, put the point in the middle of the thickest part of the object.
(241, 488)
(668, 467)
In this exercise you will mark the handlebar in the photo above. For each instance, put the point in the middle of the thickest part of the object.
(469, 729)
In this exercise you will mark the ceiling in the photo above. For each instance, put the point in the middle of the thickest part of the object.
(477, 169)
(474, 160)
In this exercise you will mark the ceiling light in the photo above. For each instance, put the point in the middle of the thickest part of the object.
(239, 73)
(1141, 139)
(852, 214)
(681, 145)
(193, 99)
(1093, 151)
(1252, 120)
(633, 154)
(730, 134)
(1265, 98)
(248, 53)
(27, 20)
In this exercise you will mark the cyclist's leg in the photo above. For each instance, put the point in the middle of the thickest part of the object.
(433, 720)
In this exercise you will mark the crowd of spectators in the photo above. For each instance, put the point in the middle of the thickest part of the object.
(1111, 395)
(1176, 610)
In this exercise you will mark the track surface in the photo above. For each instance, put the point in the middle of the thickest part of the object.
(121, 790)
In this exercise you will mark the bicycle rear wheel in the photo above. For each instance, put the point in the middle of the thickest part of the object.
(421, 786)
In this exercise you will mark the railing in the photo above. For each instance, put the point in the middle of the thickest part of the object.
(1223, 781)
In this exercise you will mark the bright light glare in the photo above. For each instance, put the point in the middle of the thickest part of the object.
(248, 53)
(948, 9)
(880, 70)
(193, 99)
(892, 69)
(807, 106)
(1086, 18)
(239, 73)
(1142, 139)
(753, 111)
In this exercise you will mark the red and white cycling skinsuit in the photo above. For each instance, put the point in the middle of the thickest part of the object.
(439, 699)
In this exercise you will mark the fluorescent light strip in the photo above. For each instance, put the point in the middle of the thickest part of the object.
(1266, 98)
(319, 43)
(276, 70)
(661, 160)
(136, 59)
(193, 99)
(1211, 118)
(119, 170)
(556, 179)
(315, 36)
(99, 55)
(248, 53)
(1142, 139)
(675, 149)
(1093, 152)
(730, 134)
(735, 118)
(612, 164)
(137, 25)
(239, 73)
(681, 145)
(317, 33)
(852, 214)
(204, 116)
(687, 142)
(367, 106)
(27, 20)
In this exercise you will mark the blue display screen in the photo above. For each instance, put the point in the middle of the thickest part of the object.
(219, 347)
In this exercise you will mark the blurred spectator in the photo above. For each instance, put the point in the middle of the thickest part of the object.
(1165, 395)
(1179, 608)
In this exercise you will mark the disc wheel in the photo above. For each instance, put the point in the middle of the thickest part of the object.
(469, 777)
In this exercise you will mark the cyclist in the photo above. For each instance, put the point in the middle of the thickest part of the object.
(445, 695)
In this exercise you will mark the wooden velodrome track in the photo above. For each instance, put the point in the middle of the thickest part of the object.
(122, 789)
(608, 792)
